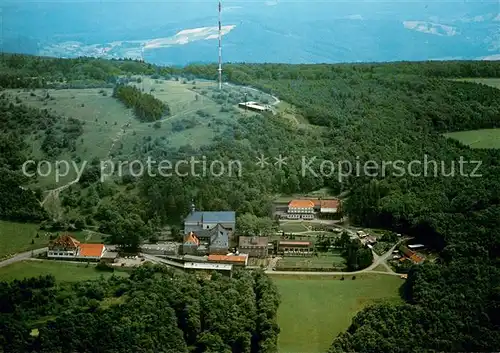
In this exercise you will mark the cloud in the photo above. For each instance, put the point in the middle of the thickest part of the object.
(430, 28)
(490, 57)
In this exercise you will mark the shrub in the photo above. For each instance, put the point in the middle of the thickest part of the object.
(102, 266)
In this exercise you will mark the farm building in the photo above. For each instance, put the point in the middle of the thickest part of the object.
(254, 246)
(300, 209)
(294, 248)
(411, 255)
(254, 106)
(67, 247)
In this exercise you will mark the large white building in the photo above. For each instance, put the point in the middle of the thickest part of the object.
(300, 209)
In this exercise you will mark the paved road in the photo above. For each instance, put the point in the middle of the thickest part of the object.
(22, 256)
(295, 273)
(156, 259)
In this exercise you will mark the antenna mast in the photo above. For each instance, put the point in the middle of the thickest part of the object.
(220, 47)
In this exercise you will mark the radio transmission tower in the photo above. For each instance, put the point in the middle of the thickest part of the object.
(220, 47)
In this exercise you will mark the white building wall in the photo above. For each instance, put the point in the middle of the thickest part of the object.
(301, 209)
(328, 210)
(62, 254)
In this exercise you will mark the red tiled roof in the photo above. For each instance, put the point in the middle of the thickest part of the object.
(329, 203)
(411, 255)
(191, 239)
(65, 241)
(301, 204)
(91, 250)
(240, 259)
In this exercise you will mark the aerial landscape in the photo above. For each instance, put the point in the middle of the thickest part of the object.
(254, 177)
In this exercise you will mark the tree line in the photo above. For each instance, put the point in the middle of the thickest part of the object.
(146, 107)
(154, 309)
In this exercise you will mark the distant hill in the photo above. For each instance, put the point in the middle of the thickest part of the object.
(278, 31)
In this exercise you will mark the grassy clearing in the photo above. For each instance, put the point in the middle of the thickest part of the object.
(17, 237)
(62, 271)
(493, 82)
(314, 310)
(485, 138)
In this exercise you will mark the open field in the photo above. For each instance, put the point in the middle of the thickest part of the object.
(493, 82)
(486, 138)
(62, 271)
(17, 237)
(314, 311)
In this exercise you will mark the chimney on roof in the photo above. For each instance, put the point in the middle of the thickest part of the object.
(253, 240)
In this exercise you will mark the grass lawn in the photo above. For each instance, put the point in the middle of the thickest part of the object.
(17, 237)
(485, 138)
(62, 271)
(314, 310)
(291, 227)
(325, 260)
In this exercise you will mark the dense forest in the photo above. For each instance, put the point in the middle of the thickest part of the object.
(146, 107)
(153, 310)
(356, 112)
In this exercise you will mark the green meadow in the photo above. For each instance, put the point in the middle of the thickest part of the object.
(315, 309)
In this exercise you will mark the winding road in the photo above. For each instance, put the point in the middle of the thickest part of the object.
(22, 256)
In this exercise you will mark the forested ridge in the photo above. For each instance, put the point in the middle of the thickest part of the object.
(380, 112)
(154, 310)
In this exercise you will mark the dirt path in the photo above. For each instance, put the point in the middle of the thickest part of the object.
(55, 192)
